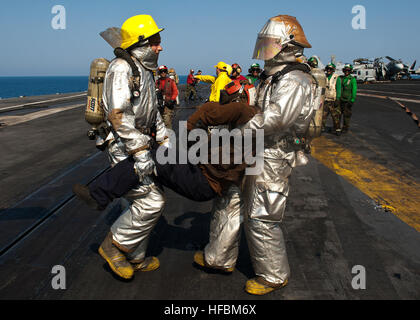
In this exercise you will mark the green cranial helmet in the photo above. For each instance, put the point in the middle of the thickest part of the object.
(330, 66)
(313, 62)
(348, 67)
(254, 67)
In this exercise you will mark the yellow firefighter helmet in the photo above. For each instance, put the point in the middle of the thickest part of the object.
(138, 28)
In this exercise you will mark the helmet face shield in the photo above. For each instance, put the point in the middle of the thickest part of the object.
(112, 36)
(276, 34)
(267, 48)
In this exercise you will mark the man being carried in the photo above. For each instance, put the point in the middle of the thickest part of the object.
(200, 182)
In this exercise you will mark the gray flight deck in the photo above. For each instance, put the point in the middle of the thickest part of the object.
(330, 225)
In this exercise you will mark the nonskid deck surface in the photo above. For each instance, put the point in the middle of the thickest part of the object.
(340, 214)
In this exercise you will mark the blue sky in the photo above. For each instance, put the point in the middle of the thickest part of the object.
(198, 34)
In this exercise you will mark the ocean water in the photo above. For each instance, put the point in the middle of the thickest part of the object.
(11, 87)
(182, 79)
(33, 86)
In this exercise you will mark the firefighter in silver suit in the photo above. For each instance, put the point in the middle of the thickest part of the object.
(135, 120)
(287, 105)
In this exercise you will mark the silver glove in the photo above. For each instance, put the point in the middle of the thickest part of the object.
(144, 164)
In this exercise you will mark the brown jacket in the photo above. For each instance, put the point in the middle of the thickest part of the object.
(234, 114)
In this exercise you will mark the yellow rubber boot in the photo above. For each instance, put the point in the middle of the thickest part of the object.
(148, 264)
(258, 286)
(199, 259)
(115, 258)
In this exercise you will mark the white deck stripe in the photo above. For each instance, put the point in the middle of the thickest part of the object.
(14, 120)
(386, 92)
(385, 97)
(38, 102)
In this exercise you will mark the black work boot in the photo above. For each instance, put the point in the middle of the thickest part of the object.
(82, 192)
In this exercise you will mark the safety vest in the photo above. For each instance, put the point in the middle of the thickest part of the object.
(348, 88)
(331, 94)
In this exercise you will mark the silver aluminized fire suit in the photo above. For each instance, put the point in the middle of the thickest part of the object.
(132, 119)
(223, 247)
(287, 107)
